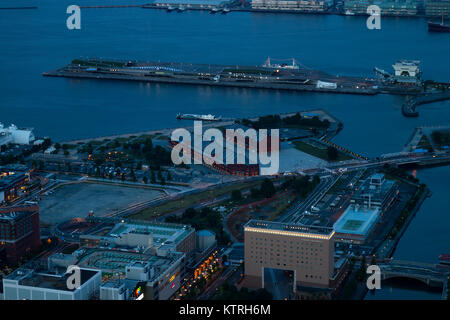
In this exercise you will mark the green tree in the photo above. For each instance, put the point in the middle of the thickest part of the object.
(90, 149)
(254, 193)
(332, 153)
(267, 188)
(437, 137)
(152, 177)
(316, 180)
(133, 175)
(236, 195)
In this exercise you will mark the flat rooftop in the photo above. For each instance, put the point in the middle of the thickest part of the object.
(16, 213)
(27, 277)
(293, 228)
(111, 261)
(162, 232)
(376, 193)
(357, 220)
(8, 177)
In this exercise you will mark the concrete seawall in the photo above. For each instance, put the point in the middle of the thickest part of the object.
(221, 83)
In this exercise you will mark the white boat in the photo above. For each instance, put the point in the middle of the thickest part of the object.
(214, 10)
(225, 10)
(349, 13)
(292, 65)
(203, 117)
(170, 8)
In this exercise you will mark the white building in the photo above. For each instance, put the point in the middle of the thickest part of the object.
(27, 284)
(12, 134)
(114, 290)
(291, 5)
(407, 70)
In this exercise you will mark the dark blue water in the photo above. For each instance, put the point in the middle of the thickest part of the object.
(34, 41)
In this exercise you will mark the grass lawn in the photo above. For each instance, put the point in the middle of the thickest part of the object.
(318, 152)
(190, 200)
(142, 138)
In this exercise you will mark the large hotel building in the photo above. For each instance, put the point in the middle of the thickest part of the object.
(307, 251)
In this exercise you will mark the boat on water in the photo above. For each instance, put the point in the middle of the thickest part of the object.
(181, 9)
(171, 8)
(293, 65)
(225, 10)
(203, 117)
(214, 10)
(444, 259)
(438, 27)
(349, 13)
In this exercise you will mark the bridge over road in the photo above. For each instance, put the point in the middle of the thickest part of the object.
(431, 274)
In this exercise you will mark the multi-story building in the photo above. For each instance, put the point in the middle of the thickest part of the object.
(373, 197)
(160, 274)
(290, 5)
(307, 251)
(388, 8)
(19, 232)
(376, 191)
(437, 8)
(148, 236)
(14, 135)
(12, 179)
(29, 284)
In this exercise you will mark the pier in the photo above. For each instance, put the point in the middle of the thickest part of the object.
(269, 76)
(409, 107)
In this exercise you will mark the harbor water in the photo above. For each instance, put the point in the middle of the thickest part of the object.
(35, 41)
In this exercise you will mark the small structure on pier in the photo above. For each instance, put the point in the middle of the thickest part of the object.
(407, 71)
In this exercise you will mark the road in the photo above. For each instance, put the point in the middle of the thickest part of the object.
(295, 212)
(211, 290)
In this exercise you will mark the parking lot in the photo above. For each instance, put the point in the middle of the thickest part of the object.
(76, 200)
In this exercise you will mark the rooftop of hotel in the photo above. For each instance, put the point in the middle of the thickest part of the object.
(270, 225)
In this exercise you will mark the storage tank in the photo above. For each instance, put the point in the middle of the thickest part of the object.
(205, 239)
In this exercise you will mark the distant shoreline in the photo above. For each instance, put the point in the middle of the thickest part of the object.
(17, 8)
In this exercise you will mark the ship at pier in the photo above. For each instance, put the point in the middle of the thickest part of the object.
(202, 117)
(438, 26)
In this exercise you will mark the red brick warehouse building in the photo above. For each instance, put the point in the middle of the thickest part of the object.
(19, 233)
